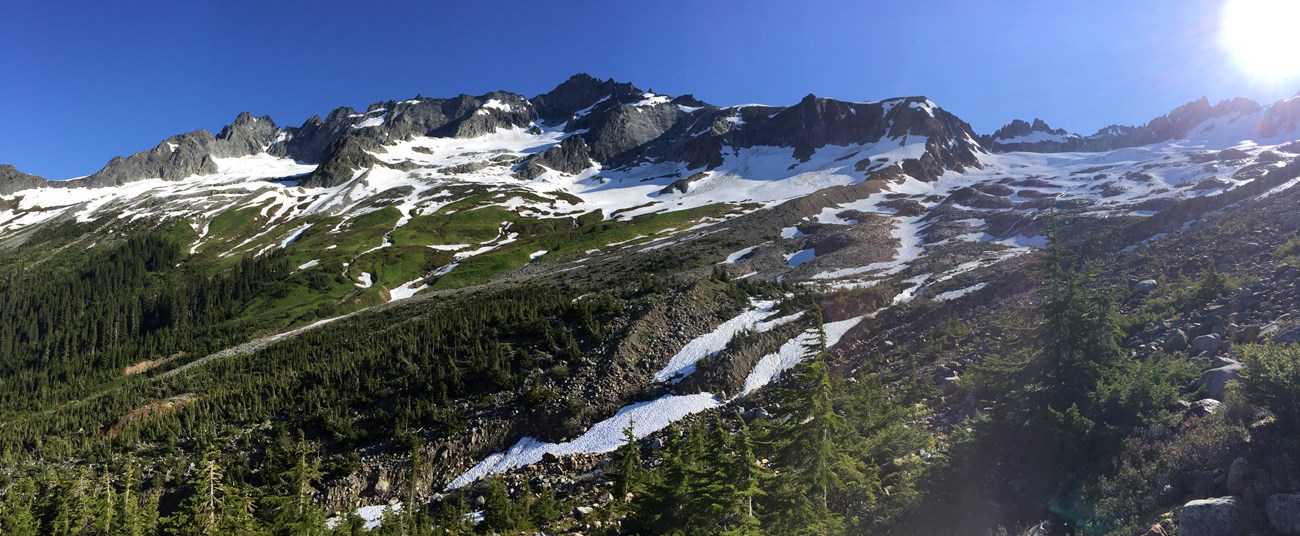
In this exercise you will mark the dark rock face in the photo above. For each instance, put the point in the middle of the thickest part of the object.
(177, 157)
(620, 135)
(343, 159)
(248, 135)
(577, 93)
(12, 180)
(570, 156)
(188, 154)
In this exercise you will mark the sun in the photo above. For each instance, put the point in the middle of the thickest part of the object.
(1263, 36)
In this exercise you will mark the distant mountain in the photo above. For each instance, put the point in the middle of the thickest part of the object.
(1222, 125)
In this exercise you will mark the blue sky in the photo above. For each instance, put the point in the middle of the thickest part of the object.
(84, 81)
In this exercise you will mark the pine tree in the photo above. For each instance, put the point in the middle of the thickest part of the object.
(628, 461)
(17, 509)
(217, 506)
(821, 478)
(501, 513)
(748, 478)
(454, 519)
(294, 509)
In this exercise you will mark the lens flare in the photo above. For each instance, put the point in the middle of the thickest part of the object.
(1263, 36)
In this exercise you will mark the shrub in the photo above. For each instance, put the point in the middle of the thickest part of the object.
(1271, 380)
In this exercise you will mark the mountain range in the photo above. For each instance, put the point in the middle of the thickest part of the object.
(600, 258)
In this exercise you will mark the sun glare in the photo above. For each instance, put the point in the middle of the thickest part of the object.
(1264, 36)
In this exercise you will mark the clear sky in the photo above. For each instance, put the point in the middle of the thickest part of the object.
(83, 81)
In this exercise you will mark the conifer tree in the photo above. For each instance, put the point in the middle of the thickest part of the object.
(217, 506)
(628, 460)
(17, 508)
(748, 477)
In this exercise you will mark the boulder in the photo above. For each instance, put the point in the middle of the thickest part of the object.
(1284, 512)
(1221, 361)
(1240, 477)
(1287, 335)
(1146, 285)
(949, 384)
(1206, 344)
(1216, 380)
(1156, 530)
(1247, 334)
(1202, 407)
(1211, 517)
(1176, 341)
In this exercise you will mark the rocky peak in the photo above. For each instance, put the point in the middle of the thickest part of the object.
(579, 92)
(1019, 128)
(247, 135)
(12, 180)
(175, 158)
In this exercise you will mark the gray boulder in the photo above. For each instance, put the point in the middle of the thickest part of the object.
(1206, 344)
(1216, 380)
(1287, 335)
(1211, 517)
(1202, 407)
(1240, 477)
(1176, 341)
(1284, 512)
(1146, 285)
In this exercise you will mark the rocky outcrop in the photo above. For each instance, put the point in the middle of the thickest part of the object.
(175, 158)
(12, 180)
(189, 154)
(569, 156)
(344, 159)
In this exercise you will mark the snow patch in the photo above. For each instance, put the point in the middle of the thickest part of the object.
(792, 352)
(605, 436)
(683, 363)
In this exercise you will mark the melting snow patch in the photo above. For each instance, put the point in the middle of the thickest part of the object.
(498, 105)
(792, 352)
(364, 280)
(800, 257)
(1036, 241)
(309, 264)
(536, 254)
(373, 515)
(605, 436)
(293, 235)
(406, 290)
(792, 232)
(916, 284)
(735, 257)
(683, 363)
(954, 294)
(371, 122)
